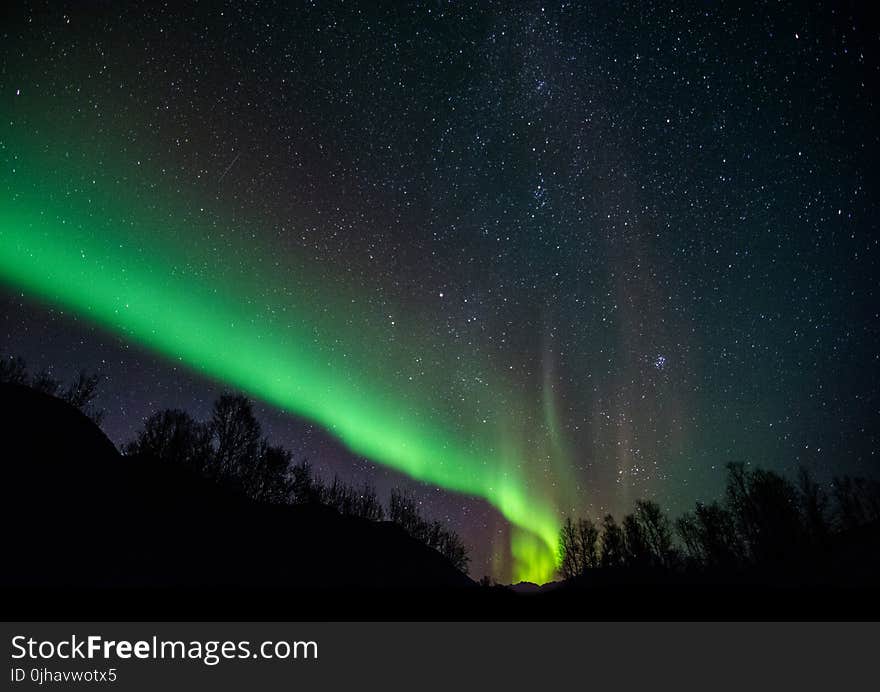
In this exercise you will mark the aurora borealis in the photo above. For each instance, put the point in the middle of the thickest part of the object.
(284, 350)
(552, 258)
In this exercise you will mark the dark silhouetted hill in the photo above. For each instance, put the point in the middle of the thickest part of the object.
(529, 587)
(78, 515)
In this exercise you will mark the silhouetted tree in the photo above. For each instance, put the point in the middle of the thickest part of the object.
(82, 392)
(764, 506)
(636, 551)
(612, 544)
(814, 508)
(307, 489)
(569, 566)
(453, 549)
(578, 547)
(768, 521)
(403, 512)
(643, 540)
(367, 504)
(340, 497)
(588, 537)
(688, 529)
(357, 502)
(710, 537)
(270, 478)
(656, 531)
(173, 437)
(236, 434)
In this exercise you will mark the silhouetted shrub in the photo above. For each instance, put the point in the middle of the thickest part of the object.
(81, 393)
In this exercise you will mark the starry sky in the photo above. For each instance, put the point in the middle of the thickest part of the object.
(528, 260)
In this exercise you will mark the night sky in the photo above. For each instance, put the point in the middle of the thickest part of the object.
(529, 260)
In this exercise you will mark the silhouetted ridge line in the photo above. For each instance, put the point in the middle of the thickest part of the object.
(78, 514)
(229, 449)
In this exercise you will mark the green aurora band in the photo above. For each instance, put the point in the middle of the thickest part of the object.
(88, 243)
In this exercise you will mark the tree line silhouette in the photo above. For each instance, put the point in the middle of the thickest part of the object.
(230, 449)
(764, 522)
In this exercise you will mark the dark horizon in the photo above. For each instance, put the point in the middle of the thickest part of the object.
(765, 531)
(211, 522)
